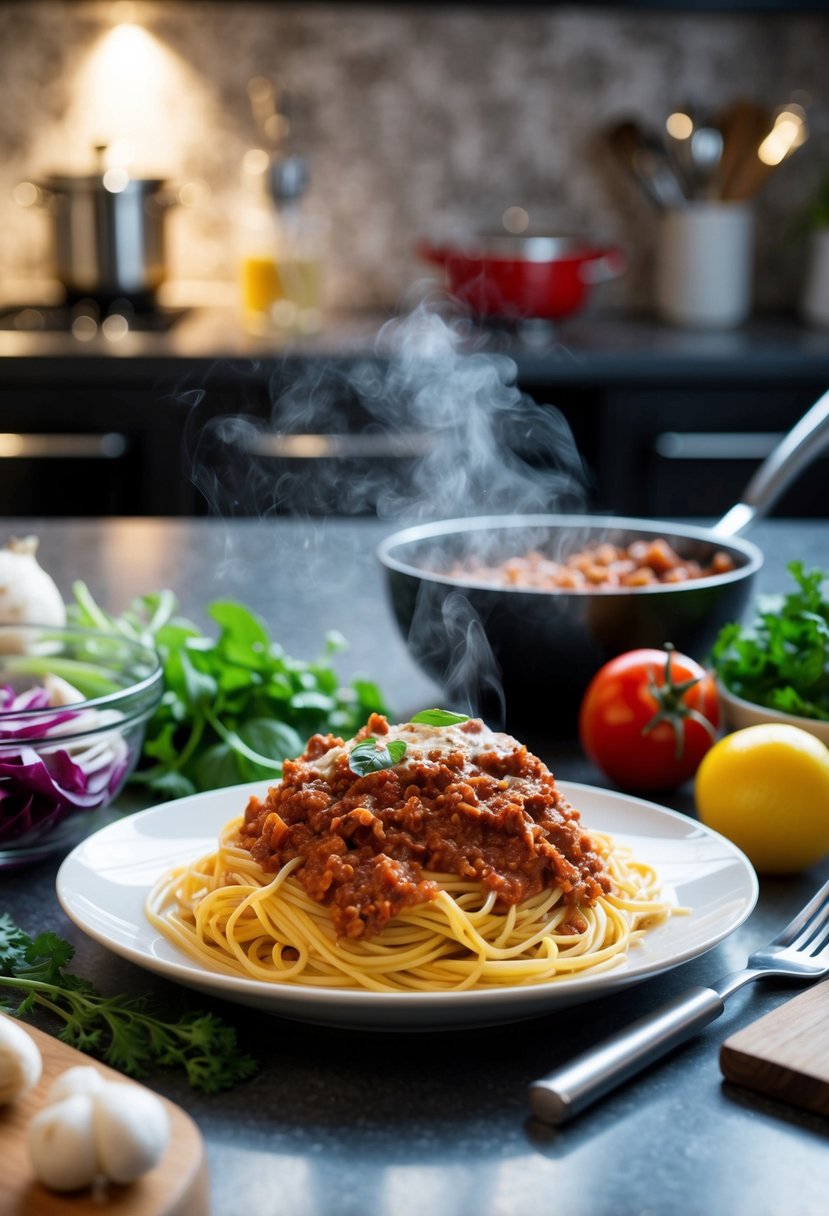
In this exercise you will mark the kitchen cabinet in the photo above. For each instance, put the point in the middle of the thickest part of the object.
(201, 422)
(90, 447)
(691, 452)
(656, 451)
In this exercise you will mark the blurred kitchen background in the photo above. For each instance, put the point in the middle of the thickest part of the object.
(348, 135)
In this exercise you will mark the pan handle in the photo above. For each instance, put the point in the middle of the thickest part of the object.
(782, 466)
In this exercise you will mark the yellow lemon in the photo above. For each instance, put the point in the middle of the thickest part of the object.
(767, 789)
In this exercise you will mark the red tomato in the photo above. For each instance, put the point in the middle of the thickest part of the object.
(648, 717)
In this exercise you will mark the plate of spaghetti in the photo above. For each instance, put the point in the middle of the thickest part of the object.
(423, 875)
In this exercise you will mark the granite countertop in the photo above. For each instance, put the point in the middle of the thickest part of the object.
(350, 1123)
(592, 347)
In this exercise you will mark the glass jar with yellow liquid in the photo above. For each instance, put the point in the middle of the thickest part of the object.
(281, 263)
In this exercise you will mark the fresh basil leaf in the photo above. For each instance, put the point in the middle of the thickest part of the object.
(369, 697)
(371, 756)
(239, 622)
(439, 717)
(216, 767)
(201, 687)
(171, 784)
(278, 688)
(274, 741)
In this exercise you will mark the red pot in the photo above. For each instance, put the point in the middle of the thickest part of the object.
(516, 277)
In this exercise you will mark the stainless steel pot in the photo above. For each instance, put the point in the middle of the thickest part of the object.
(108, 232)
(526, 655)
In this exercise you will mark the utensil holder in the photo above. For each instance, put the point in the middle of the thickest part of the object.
(815, 303)
(704, 267)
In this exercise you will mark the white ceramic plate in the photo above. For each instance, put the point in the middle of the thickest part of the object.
(103, 883)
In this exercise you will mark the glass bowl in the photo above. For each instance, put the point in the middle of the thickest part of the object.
(74, 704)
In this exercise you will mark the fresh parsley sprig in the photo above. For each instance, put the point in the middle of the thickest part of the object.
(122, 1031)
(780, 658)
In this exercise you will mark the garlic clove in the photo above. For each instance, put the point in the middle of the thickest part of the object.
(82, 1079)
(20, 1061)
(131, 1129)
(62, 1144)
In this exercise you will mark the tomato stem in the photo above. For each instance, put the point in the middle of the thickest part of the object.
(669, 697)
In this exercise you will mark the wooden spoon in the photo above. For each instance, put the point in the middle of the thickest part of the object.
(743, 125)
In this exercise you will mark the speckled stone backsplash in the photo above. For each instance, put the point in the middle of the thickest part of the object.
(415, 119)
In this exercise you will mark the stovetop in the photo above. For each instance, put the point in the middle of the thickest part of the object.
(85, 319)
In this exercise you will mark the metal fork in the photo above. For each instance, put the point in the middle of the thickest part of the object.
(800, 951)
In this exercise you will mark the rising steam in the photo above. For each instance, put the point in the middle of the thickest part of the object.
(429, 427)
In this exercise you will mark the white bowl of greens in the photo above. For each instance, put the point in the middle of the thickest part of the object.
(775, 667)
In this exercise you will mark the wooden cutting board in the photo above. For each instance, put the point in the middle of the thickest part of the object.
(785, 1053)
(178, 1186)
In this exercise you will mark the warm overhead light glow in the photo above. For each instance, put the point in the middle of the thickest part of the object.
(135, 101)
(679, 125)
(123, 12)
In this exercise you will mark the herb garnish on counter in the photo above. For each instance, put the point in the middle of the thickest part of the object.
(780, 659)
(119, 1030)
(234, 706)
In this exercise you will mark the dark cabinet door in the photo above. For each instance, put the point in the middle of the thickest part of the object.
(88, 451)
(692, 452)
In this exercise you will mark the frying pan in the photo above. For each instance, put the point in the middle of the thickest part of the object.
(519, 654)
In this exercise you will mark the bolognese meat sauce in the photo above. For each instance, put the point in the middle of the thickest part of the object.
(463, 800)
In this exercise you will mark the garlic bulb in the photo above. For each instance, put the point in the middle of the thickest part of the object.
(28, 595)
(20, 1061)
(93, 1129)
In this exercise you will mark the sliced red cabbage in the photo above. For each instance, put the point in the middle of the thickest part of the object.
(39, 787)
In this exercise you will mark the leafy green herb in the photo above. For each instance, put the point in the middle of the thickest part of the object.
(371, 756)
(439, 717)
(234, 706)
(119, 1030)
(781, 658)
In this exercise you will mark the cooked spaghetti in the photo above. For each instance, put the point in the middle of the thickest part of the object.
(413, 857)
